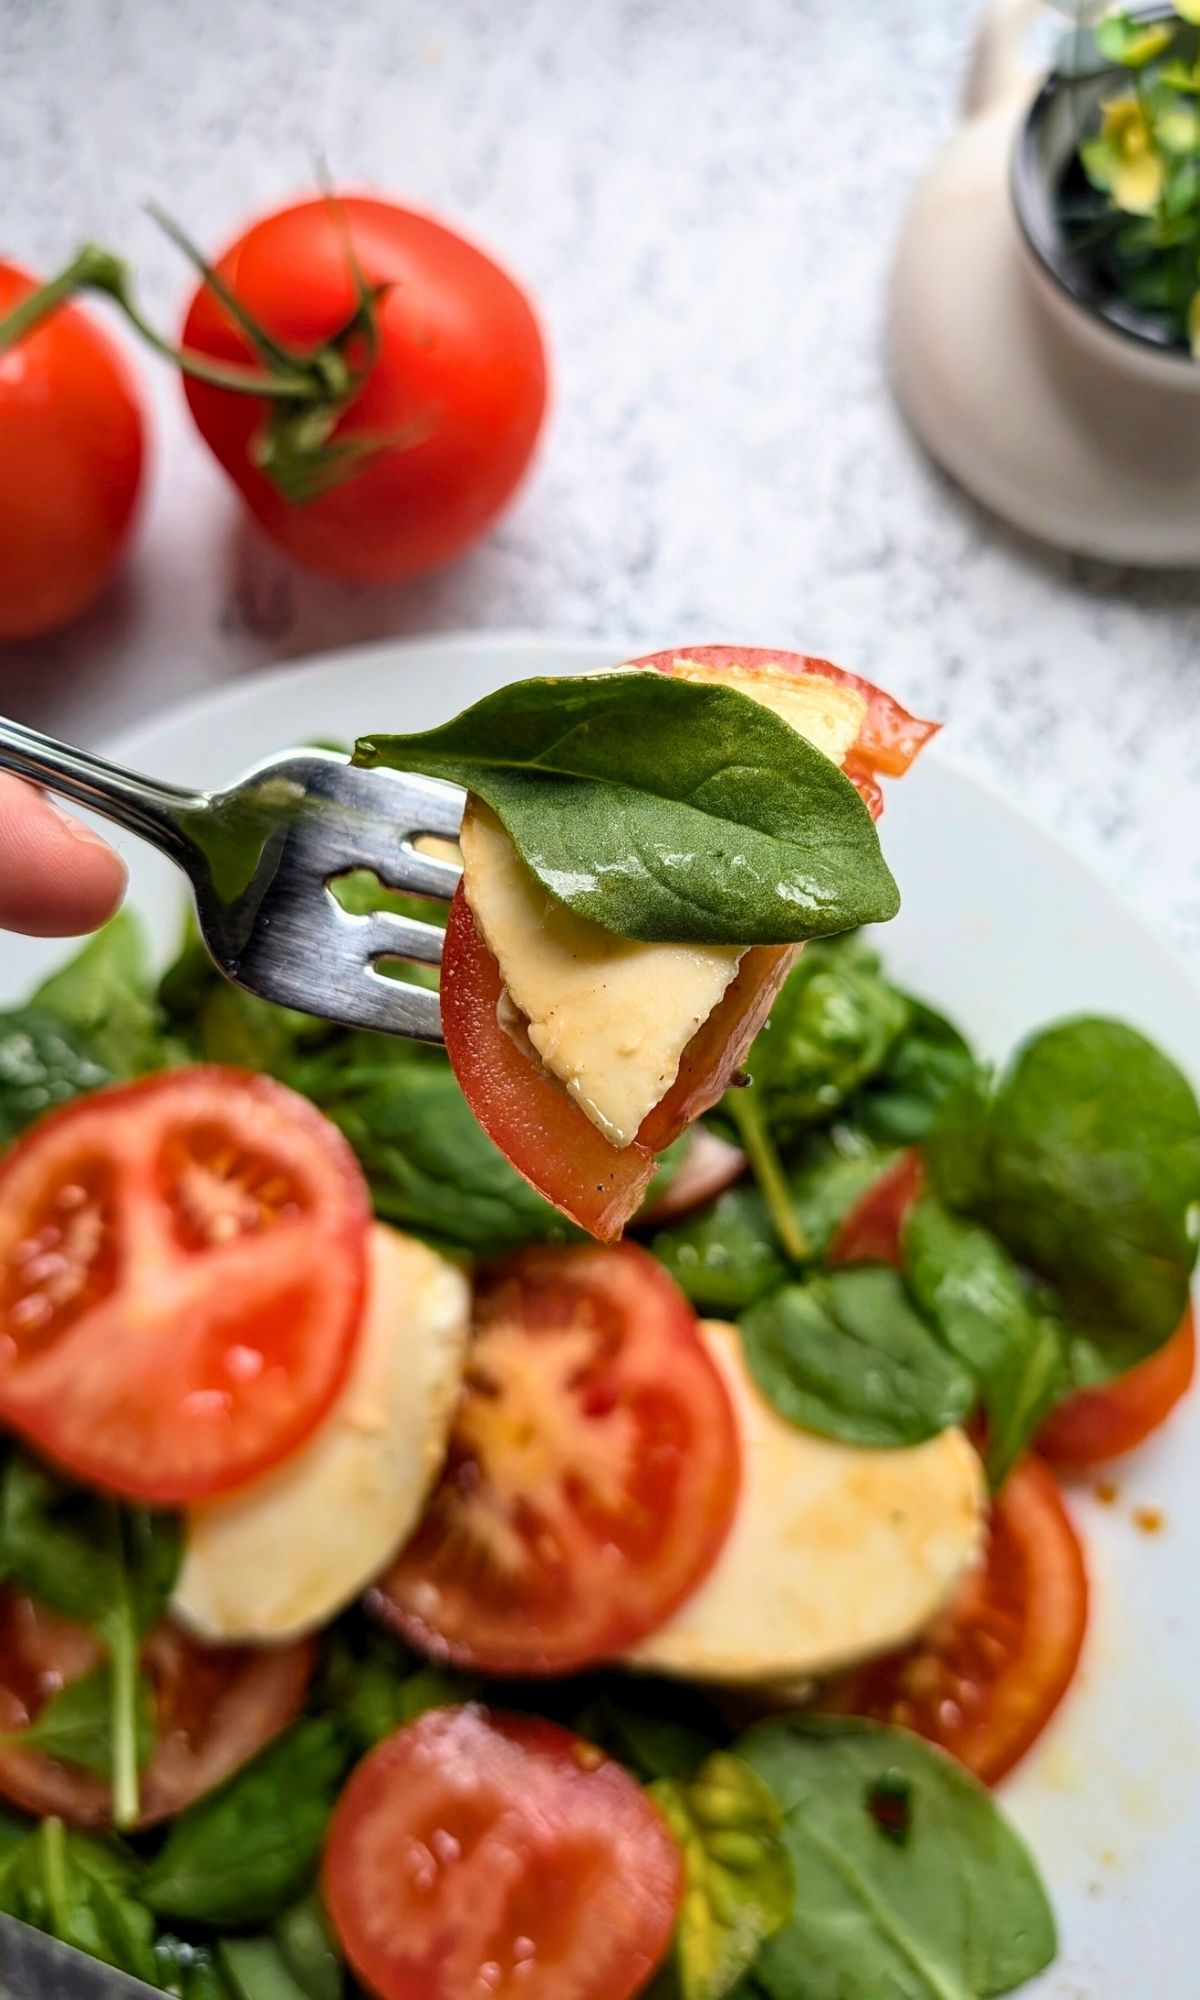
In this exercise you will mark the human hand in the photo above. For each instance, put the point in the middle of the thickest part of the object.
(57, 877)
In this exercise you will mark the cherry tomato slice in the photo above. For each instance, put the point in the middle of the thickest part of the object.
(1097, 1424)
(182, 1264)
(871, 1231)
(990, 1672)
(592, 1472)
(214, 1710)
(474, 1853)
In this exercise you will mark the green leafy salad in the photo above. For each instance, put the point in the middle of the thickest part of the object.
(907, 1242)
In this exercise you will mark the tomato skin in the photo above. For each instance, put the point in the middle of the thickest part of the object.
(1094, 1425)
(215, 1709)
(72, 443)
(182, 1271)
(592, 1472)
(459, 382)
(477, 1853)
(990, 1672)
(871, 1231)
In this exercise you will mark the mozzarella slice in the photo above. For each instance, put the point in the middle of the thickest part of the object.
(610, 1019)
(283, 1555)
(836, 1553)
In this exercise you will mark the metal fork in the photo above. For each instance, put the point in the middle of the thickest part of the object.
(261, 856)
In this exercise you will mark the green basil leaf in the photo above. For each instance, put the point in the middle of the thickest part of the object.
(901, 1102)
(832, 1026)
(662, 809)
(372, 1686)
(106, 992)
(80, 1889)
(955, 1912)
(737, 1868)
(845, 1355)
(84, 1556)
(1085, 1162)
(243, 1854)
(969, 1289)
(259, 1968)
(44, 1062)
(307, 1946)
(76, 1724)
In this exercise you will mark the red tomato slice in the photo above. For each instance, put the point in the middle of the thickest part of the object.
(214, 1710)
(1098, 1424)
(592, 1472)
(990, 1672)
(182, 1264)
(474, 1853)
(870, 1232)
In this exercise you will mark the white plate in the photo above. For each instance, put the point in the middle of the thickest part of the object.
(1004, 929)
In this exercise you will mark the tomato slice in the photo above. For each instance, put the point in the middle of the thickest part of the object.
(182, 1266)
(870, 1232)
(990, 1672)
(214, 1710)
(592, 1471)
(1097, 1424)
(474, 1853)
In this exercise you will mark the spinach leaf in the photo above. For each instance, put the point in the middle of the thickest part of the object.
(825, 1178)
(725, 1256)
(215, 1021)
(662, 809)
(846, 1356)
(372, 1686)
(44, 1061)
(258, 1968)
(900, 1103)
(1085, 1161)
(241, 1855)
(189, 1971)
(954, 1913)
(832, 1026)
(970, 1290)
(738, 1873)
(306, 1944)
(76, 1724)
(80, 1889)
(107, 993)
(657, 1729)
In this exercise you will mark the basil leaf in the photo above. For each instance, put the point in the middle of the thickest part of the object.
(738, 1874)
(832, 1026)
(82, 1555)
(901, 1102)
(76, 1724)
(373, 1687)
(245, 1852)
(43, 1062)
(106, 992)
(257, 1968)
(846, 1356)
(967, 1286)
(1085, 1161)
(954, 1913)
(306, 1944)
(664, 810)
(79, 1889)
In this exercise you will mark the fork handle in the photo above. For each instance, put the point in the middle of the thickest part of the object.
(157, 813)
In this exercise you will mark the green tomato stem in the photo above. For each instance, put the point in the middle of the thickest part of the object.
(745, 1108)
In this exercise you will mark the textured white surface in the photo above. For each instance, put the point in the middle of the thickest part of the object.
(703, 198)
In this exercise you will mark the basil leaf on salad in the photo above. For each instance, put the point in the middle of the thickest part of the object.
(78, 1888)
(245, 1852)
(664, 810)
(845, 1355)
(107, 993)
(954, 1912)
(1085, 1161)
(738, 1874)
(831, 1027)
(76, 1724)
(972, 1293)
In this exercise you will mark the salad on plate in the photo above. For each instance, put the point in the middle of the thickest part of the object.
(576, 1514)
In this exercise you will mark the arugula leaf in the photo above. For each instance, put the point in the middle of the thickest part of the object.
(738, 1873)
(967, 1286)
(80, 1889)
(900, 1103)
(955, 1912)
(107, 993)
(662, 809)
(846, 1356)
(832, 1026)
(76, 1724)
(241, 1855)
(43, 1062)
(1085, 1162)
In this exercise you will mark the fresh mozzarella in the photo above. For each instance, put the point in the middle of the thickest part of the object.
(286, 1553)
(609, 1018)
(836, 1553)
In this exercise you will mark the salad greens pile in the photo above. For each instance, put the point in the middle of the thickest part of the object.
(1051, 1245)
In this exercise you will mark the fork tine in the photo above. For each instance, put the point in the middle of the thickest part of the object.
(386, 934)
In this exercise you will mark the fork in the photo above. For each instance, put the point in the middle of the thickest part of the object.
(261, 857)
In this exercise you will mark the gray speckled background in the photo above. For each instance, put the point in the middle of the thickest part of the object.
(703, 197)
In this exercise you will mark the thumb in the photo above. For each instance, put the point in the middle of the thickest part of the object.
(57, 877)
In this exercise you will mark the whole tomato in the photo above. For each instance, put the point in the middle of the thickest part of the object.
(71, 450)
(436, 385)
